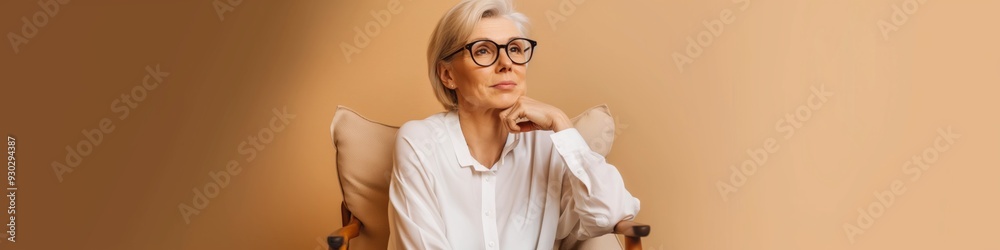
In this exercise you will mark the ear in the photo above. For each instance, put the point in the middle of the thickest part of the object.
(445, 74)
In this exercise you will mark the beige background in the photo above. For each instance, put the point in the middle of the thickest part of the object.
(679, 131)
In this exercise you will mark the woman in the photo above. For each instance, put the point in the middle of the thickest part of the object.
(498, 170)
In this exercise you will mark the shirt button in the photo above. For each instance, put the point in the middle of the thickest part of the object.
(487, 213)
(492, 244)
(488, 179)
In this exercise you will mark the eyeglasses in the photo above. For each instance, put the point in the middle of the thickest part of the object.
(486, 52)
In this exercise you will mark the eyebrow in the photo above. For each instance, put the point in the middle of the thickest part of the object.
(483, 38)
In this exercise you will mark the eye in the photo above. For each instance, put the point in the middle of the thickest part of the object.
(482, 49)
(514, 48)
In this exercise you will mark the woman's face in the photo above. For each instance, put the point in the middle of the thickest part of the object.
(496, 86)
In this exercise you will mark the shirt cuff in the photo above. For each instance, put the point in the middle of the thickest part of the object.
(571, 146)
(569, 141)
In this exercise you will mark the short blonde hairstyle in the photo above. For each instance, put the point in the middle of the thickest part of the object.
(452, 31)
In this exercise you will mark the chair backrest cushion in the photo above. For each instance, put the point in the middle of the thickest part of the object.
(364, 163)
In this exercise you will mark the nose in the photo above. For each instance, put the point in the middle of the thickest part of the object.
(504, 63)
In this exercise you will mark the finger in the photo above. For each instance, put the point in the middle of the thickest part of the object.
(503, 115)
(529, 114)
(512, 117)
(506, 113)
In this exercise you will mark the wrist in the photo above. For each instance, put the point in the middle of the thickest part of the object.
(562, 122)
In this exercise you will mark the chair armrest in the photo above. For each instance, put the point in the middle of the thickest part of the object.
(632, 229)
(339, 239)
(633, 232)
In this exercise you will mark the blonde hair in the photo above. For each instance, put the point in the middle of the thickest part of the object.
(452, 31)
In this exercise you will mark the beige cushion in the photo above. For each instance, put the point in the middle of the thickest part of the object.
(364, 163)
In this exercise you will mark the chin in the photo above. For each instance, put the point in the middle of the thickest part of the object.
(506, 100)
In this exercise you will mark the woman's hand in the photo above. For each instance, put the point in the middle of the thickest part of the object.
(529, 114)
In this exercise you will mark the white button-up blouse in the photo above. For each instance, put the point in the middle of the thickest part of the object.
(548, 190)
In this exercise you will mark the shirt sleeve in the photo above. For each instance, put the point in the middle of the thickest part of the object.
(596, 198)
(418, 225)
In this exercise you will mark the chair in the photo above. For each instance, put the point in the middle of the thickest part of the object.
(364, 164)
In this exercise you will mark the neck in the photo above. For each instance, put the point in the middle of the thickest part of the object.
(484, 134)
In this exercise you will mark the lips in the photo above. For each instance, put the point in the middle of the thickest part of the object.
(505, 85)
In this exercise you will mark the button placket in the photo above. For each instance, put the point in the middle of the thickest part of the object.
(490, 232)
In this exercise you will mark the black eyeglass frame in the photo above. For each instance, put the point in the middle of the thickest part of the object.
(468, 47)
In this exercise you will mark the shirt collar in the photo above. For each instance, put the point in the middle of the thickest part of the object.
(461, 147)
